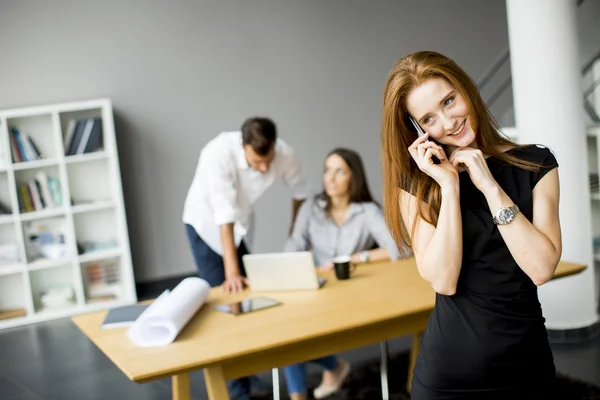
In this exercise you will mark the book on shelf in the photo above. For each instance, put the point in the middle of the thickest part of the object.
(12, 313)
(39, 193)
(37, 200)
(83, 136)
(102, 280)
(23, 147)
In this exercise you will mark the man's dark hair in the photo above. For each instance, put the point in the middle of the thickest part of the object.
(260, 133)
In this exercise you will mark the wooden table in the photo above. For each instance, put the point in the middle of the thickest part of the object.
(380, 302)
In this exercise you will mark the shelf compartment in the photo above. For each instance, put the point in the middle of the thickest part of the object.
(96, 230)
(90, 182)
(82, 132)
(39, 189)
(102, 280)
(47, 241)
(12, 296)
(53, 289)
(31, 138)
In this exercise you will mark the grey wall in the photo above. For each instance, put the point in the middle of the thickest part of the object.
(179, 72)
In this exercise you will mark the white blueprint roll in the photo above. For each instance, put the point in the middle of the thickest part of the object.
(160, 323)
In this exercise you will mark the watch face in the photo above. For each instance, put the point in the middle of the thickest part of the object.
(506, 215)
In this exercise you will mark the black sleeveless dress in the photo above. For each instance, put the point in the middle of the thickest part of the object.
(488, 340)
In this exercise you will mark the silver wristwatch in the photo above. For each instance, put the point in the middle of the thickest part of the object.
(365, 256)
(506, 215)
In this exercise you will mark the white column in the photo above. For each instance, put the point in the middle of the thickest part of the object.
(548, 97)
(596, 94)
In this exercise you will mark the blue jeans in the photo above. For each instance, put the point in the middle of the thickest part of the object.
(295, 375)
(211, 269)
(209, 263)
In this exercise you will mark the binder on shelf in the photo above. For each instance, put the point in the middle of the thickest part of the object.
(24, 146)
(39, 193)
(84, 136)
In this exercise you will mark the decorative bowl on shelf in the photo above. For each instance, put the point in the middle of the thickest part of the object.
(57, 297)
(54, 251)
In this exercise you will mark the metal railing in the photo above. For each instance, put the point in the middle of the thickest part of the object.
(507, 82)
(504, 58)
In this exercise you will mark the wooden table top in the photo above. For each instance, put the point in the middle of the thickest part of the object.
(375, 293)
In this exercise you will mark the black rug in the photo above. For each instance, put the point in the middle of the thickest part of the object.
(365, 384)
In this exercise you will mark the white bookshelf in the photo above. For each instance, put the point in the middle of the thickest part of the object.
(89, 222)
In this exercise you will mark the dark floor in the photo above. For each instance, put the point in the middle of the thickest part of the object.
(55, 361)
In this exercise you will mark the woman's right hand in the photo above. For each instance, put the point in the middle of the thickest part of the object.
(423, 151)
(327, 266)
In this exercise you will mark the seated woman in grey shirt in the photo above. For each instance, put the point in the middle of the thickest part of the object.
(340, 221)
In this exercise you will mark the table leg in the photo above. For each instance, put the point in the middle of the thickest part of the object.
(215, 383)
(414, 351)
(181, 387)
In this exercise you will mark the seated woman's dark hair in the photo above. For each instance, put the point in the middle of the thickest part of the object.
(358, 191)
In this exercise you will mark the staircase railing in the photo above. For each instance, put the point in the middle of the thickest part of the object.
(504, 58)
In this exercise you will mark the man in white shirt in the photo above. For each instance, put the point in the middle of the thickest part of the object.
(234, 170)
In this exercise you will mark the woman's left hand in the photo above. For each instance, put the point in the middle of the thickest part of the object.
(474, 162)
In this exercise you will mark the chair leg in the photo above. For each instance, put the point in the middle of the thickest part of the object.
(385, 393)
(276, 394)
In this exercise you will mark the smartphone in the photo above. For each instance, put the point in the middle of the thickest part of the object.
(247, 306)
(420, 131)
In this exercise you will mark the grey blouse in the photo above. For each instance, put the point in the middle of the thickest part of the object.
(364, 229)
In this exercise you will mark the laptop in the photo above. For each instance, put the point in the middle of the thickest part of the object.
(281, 271)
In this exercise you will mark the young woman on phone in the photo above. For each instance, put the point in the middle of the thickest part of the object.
(481, 216)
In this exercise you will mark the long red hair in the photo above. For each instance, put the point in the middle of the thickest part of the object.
(400, 172)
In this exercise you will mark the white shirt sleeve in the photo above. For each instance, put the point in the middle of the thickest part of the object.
(222, 191)
(294, 177)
